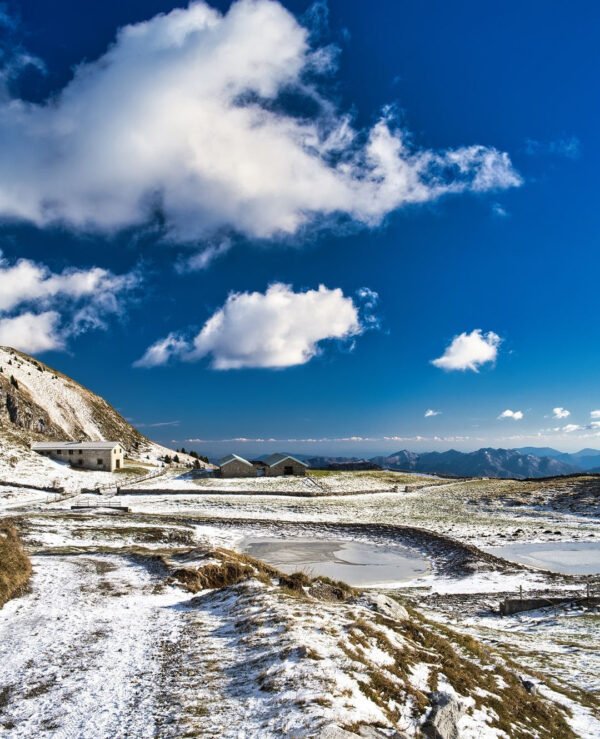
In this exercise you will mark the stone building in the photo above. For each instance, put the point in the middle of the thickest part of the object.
(107, 456)
(234, 466)
(284, 464)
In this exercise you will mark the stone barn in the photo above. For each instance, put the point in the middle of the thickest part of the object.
(284, 464)
(234, 466)
(107, 456)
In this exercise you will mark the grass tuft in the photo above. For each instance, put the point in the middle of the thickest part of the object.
(15, 567)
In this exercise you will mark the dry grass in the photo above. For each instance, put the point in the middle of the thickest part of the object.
(232, 568)
(15, 567)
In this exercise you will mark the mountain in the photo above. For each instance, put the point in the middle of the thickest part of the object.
(539, 451)
(321, 463)
(38, 403)
(505, 463)
(585, 460)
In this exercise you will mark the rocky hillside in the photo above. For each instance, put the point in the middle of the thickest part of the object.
(38, 403)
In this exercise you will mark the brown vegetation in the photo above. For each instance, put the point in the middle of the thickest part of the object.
(15, 567)
(230, 568)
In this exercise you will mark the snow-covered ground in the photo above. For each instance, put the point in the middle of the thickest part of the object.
(106, 644)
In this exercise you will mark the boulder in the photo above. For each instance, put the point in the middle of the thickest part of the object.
(386, 606)
(442, 722)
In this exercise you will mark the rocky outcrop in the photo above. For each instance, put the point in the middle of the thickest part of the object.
(38, 402)
(17, 409)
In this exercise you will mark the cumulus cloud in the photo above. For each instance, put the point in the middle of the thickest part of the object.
(571, 427)
(40, 310)
(469, 351)
(278, 328)
(32, 332)
(429, 413)
(595, 414)
(183, 117)
(560, 413)
(514, 415)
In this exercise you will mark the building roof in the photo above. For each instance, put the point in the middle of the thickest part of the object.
(233, 458)
(39, 446)
(277, 458)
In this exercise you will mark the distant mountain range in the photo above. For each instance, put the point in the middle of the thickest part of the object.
(504, 463)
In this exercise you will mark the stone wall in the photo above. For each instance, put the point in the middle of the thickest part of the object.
(237, 469)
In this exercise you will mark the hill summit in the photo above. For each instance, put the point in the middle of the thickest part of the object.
(38, 403)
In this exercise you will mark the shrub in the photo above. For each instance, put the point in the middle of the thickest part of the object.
(15, 567)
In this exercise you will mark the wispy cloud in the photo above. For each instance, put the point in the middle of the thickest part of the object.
(41, 310)
(430, 413)
(156, 425)
(563, 146)
(202, 259)
(469, 351)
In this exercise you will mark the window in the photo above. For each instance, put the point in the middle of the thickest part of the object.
(70, 451)
(58, 451)
(288, 470)
(99, 461)
(81, 451)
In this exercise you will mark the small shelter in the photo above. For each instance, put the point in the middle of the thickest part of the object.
(234, 466)
(284, 464)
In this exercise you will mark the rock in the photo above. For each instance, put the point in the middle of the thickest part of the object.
(386, 606)
(335, 732)
(529, 686)
(442, 722)
(367, 732)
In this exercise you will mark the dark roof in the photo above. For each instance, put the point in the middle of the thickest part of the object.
(277, 458)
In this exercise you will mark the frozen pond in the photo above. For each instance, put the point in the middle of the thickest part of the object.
(356, 563)
(566, 557)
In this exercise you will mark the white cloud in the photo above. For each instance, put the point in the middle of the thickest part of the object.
(560, 413)
(279, 328)
(570, 427)
(182, 115)
(32, 332)
(429, 413)
(40, 310)
(469, 351)
(161, 351)
(514, 415)
(594, 414)
(26, 281)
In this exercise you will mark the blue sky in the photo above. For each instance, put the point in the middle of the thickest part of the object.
(170, 208)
